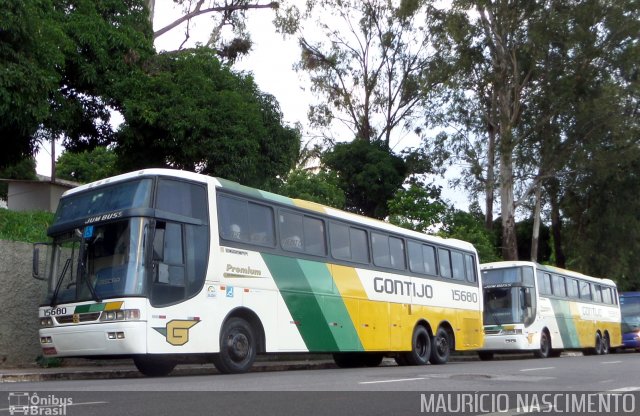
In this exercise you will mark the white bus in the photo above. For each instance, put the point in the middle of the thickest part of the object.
(162, 266)
(544, 309)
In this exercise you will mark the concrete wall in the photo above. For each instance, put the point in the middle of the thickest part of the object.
(20, 295)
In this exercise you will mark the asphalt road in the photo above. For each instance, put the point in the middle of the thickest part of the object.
(388, 390)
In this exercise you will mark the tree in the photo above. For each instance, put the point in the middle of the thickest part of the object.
(371, 67)
(63, 61)
(87, 166)
(321, 187)
(30, 56)
(191, 112)
(230, 13)
(368, 173)
(469, 226)
(418, 208)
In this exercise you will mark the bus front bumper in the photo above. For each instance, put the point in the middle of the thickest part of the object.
(113, 338)
(510, 342)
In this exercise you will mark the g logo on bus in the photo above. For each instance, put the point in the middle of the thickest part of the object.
(177, 331)
(76, 318)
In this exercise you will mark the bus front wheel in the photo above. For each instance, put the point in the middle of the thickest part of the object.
(420, 347)
(237, 347)
(545, 346)
(153, 366)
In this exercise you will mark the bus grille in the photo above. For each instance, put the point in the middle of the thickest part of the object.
(492, 331)
(82, 317)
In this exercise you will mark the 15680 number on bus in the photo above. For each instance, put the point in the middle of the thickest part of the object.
(464, 296)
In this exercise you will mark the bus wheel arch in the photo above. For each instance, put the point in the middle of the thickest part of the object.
(443, 343)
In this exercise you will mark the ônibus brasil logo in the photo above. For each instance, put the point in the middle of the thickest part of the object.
(34, 404)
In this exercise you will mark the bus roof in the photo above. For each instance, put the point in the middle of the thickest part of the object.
(550, 269)
(272, 197)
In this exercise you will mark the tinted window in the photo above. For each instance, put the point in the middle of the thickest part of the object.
(416, 260)
(291, 231)
(606, 295)
(380, 248)
(444, 259)
(261, 228)
(429, 256)
(359, 246)
(585, 290)
(314, 240)
(396, 249)
(470, 266)
(572, 288)
(544, 283)
(182, 198)
(559, 288)
(244, 221)
(457, 265)
(340, 245)
(597, 293)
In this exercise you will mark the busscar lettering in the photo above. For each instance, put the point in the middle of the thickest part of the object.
(104, 217)
(402, 288)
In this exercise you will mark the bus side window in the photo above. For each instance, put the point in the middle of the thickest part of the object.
(444, 258)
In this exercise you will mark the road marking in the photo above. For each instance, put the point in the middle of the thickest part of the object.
(611, 362)
(623, 389)
(536, 369)
(392, 381)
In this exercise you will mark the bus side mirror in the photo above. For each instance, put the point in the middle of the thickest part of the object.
(527, 299)
(36, 262)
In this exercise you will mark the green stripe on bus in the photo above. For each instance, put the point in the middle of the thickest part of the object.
(303, 304)
(566, 324)
(256, 193)
(333, 308)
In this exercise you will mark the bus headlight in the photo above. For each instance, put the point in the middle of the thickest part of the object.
(120, 315)
(46, 322)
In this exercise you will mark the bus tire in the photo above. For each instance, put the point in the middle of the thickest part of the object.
(485, 355)
(154, 366)
(545, 346)
(440, 347)
(238, 347)
(606, 344)
(598, 347)
(420, 347)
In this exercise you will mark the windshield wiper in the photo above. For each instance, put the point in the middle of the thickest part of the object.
(83, 276)
(54, 297)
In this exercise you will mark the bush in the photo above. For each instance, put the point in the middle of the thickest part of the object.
(28, 226)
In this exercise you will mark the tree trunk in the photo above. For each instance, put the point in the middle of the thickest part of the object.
(151, 5)
(535, 235)
(556, 224)
(509, 240)
(491, 157)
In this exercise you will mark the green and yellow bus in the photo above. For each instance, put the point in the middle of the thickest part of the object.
(163, 265)
(544, 309)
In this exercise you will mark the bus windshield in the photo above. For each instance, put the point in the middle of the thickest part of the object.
(630, 309)
(98, 262)
(510, 275)
(508, 305)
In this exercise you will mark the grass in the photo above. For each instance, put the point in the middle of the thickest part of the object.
(29, 226)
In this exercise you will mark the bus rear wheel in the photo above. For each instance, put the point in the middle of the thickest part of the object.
(598, 348)
(606, 344)
(154, 366)
(420, 347)
(237, 347)
(440, 347)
